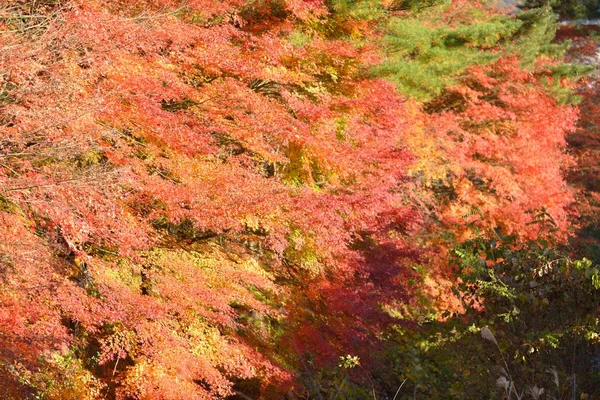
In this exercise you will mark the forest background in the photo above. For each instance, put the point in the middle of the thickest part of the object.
(294, 199)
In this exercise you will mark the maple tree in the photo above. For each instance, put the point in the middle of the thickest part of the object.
(222, 156)
(218, 199)
(493, 165)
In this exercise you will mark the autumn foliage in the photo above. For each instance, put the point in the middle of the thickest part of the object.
(208, 199)
(496, 130)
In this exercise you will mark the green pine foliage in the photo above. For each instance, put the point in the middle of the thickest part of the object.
(570, 9)
(428, 51)
(360, 10)
(535, 36)
(423, 60)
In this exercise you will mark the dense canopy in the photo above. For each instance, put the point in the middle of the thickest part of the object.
(287, 199)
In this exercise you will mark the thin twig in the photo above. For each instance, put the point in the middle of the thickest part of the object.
(111, 378)
(154, 16)
(37, 154)
(400, 387)
(307, 370)
(370, 381)
(243, 395)
(573, 368)
(82, 178)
